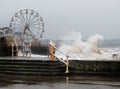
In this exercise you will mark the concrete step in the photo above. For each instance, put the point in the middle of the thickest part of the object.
(33, 70)
(33, 73)
(48, 67)
(32, 67)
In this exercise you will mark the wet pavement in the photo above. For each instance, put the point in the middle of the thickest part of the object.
(59, 82)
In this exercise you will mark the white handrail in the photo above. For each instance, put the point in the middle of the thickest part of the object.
(61, 52)
(58, 58)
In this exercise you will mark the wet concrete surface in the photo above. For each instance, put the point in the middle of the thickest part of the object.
(58, 82)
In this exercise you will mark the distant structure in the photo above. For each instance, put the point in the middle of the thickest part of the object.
(27, 26)
(24, 32)
(4, 31)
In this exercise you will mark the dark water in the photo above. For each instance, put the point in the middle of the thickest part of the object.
(59, 82)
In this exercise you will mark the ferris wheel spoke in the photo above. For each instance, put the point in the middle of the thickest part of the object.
(17, 27)
(19, 22)
(34, 30)
(35, 24)
(31, 19)
(26, 17)
(19, 30)
(35, 33)
(36, 27)
(35, 21)
(23, 18)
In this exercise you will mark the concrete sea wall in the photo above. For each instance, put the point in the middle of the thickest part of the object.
(95, 67)
(45, 67)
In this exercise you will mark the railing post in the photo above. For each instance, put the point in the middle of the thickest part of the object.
(67, 64)
(52, 56)
(23, 50)
(16, 49)
(30, 50)
(12, 49)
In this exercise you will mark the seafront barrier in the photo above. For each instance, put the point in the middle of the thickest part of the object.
(46, 67)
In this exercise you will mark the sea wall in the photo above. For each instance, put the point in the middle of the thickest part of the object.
(95, 67)
(46, 67)
(41, 50)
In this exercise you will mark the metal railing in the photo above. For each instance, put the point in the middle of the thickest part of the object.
(15, 48)
(66, 62)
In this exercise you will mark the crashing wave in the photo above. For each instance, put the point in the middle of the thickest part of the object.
(78, 49)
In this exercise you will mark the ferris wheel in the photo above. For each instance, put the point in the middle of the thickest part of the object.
(27, 25)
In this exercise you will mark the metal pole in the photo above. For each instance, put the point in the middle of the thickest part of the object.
(17, 49)
(67, 64)
(23, 49)
(61, 51)
(30, 50)
(12, 50)
(67, 61)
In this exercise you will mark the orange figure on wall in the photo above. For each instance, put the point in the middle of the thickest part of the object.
(52, 51)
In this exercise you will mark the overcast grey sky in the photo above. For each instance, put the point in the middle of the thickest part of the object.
(63, 16)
